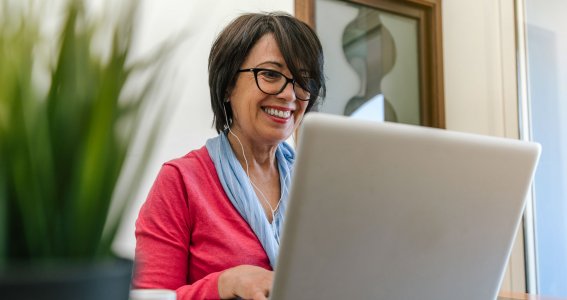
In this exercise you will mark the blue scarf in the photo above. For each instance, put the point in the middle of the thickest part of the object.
(239, 190)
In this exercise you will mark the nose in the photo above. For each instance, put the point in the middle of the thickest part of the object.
(288, 93)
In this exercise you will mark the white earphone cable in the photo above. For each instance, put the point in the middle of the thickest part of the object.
(272, 209)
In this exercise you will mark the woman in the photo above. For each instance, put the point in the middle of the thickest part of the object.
(211, 224)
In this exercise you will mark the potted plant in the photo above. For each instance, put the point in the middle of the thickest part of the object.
(67, 121)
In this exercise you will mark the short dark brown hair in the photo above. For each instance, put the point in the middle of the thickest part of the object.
(300, 47)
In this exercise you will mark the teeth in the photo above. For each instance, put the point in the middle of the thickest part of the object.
(278, 113)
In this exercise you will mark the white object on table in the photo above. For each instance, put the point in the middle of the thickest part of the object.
(152, 294)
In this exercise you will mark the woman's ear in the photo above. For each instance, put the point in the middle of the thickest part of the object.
(228, 91)
(227, 94)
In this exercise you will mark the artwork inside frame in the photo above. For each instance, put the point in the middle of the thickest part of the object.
(383, 58)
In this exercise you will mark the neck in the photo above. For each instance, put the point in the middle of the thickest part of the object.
(259, 162)
(253, 157)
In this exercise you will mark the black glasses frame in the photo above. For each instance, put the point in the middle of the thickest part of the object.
(287, 80)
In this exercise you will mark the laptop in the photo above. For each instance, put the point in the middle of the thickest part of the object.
(391, 211)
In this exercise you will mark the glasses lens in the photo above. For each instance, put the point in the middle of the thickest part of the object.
(270, 82)
(301, 93)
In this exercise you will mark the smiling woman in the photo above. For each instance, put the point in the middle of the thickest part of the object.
(211, 225)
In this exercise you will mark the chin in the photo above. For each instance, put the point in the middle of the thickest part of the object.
(281, 137)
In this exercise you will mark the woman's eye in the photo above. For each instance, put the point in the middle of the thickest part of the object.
(270, 75)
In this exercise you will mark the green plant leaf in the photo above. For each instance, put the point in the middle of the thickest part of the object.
(63, 150)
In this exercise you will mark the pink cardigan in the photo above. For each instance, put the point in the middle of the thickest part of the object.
(188, 231)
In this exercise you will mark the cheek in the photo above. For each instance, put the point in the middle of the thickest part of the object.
(300, 113)
(302, 107)
(241, 103)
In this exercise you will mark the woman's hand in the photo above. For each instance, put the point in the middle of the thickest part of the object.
(245, 281)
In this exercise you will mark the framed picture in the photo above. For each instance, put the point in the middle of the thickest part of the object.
(383, 58)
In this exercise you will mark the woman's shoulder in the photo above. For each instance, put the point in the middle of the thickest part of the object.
(194, 160)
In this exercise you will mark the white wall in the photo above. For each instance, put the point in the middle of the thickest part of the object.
(480, 78)
(480, 83)
(190, 124)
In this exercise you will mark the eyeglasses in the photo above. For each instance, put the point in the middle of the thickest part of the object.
(273, 82)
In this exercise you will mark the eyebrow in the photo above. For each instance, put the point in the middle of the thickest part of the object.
(304, 72)
(271, 62)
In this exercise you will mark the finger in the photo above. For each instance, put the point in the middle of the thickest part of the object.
(259, 296)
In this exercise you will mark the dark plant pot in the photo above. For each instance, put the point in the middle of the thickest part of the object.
(106, 280)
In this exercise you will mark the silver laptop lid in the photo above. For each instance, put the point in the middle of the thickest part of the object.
(391, 211)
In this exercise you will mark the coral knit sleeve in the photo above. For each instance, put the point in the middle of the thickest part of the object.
(188, 232)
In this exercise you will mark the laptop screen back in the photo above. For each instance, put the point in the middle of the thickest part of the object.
(391, 211)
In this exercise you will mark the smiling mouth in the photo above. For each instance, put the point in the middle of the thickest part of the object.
(284, 114)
